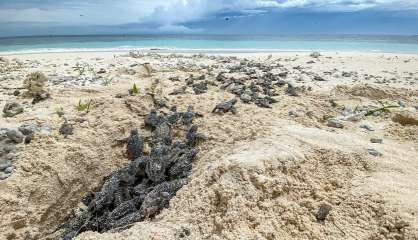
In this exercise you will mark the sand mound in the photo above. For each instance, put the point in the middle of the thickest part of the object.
(375, 92)
(54, 173)
(406, 118)
(271, 188)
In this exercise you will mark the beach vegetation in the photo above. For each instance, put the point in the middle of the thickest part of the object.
(106, 81)
(83, 107)
(135, 89)
(383, 109)
(84, 69)
(35, 83)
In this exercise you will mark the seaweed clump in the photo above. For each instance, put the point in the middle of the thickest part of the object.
(144, 187)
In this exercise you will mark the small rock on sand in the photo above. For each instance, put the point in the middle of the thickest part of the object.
(335, 123)
(367, 127)
(4, 164)
(15, 136)
(8, 170)
(376, 140)
(12, 109)
(323, 212)
(374, 152)
(66, 129)
(4, 176)
(28, 129)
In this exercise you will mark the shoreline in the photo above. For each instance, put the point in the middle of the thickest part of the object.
(198, 51)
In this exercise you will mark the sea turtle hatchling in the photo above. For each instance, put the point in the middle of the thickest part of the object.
(152, 119)
(225, 107)
(135, 145)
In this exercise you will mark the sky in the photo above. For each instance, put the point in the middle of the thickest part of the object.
(69, 17)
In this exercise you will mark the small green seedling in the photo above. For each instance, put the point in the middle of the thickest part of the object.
(80, 69)
(384, 109)
(84, 68)
(81, 107)
(107, 81)
(135, 89)
(91, 70)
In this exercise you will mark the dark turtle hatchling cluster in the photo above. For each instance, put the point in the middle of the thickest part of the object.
(256, 89)
(144, 187)
(256, 83)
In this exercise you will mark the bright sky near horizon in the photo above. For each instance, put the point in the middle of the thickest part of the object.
(36, 17)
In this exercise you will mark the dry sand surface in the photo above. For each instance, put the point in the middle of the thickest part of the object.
(262, 173)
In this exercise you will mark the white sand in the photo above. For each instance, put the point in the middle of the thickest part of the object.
(262, 174)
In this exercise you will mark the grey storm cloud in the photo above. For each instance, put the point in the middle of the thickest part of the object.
(166, 12)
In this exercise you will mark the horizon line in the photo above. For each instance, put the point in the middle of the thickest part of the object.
(210, 34)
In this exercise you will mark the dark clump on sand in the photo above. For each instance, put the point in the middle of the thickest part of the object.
(144, 187)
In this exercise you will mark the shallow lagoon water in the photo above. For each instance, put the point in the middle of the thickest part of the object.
(210, 43)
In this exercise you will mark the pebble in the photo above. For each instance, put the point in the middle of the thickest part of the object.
(296, 113)
(4, 176)
(323, 212)
(412, 109)
(347, 112)
(28, 129)
(15, 136)
(319, 78)
(374, 152)
(7, 148)
(3, 134)
(45, 129)
(346, 74)
(28, 139)
(334, 123)
(376, 140)
(367, 127)
(401, 103)
(4, 164)
(10, 156)
(66, 129)
(12, 109)
(8, 170)
(355, 117)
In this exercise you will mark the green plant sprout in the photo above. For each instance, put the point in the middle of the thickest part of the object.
(135, 89)
(81, 107)
(107, 81)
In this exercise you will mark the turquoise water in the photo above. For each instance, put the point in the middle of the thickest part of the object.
(398, 44)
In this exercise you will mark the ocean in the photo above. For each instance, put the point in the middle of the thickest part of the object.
(210, 43)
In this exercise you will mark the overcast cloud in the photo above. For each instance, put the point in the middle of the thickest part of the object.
(170, 15)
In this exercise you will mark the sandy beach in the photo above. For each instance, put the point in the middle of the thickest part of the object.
(341, 134)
